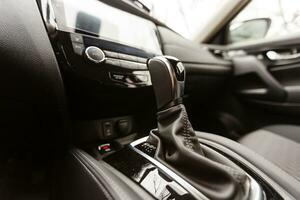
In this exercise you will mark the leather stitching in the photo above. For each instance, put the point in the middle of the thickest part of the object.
(187, 135)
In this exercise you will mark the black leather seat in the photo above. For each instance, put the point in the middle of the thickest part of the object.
(279, 144)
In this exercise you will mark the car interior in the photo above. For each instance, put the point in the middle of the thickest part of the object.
(100, 100)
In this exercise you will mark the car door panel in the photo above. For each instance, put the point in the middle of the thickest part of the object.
(288, 75)
(272, 90)
(267, 74)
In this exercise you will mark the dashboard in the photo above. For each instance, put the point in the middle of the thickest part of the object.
(102, 53)
(102, 43)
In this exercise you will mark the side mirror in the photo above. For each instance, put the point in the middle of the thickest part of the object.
(248, 30)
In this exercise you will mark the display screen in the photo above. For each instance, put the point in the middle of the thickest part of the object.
(107, 22)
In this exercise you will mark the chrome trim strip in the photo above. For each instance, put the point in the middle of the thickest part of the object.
(255, 192)
(274, 56)
(139, 141)
(193, 191)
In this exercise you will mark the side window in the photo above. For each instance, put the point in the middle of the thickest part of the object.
(265, 19)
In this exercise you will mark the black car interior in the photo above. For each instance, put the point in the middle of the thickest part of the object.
(101, 101)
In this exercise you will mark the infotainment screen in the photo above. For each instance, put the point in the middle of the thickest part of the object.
(107, 22)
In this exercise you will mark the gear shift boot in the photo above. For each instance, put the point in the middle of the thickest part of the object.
(208, 171)
(177, 145)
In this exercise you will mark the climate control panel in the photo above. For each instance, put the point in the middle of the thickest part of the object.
(105, 61)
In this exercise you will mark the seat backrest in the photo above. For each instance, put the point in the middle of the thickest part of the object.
(33, 115)
(32, 100)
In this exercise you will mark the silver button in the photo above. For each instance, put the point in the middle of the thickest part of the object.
(111, 61)
(76, 38)
(141, 66)
(127, 57)
(128, 64)
(78, 48)
(117, 77)
(142, 78)
(111, 54)
(94, 54)
(141, 60)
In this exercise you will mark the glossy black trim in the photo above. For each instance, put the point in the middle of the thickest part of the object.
(147, 175)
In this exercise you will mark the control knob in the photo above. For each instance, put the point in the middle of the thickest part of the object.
(94, 54)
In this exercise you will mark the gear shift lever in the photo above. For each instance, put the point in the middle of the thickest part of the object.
(178, 146)
(167, 76)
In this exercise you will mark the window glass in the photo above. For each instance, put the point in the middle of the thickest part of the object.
(283, 15)
(187, 17)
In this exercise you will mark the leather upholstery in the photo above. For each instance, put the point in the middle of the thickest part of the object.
(208, 171)
(79, 176)
(34, 123)
(288, 131)
(285, 184)
(279, 144)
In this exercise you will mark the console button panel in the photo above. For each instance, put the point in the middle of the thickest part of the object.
(78, 48)
(104, 129)
(106, 62)
(136, 78)
(76, 38)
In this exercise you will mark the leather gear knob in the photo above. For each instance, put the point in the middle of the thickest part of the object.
(168, 78)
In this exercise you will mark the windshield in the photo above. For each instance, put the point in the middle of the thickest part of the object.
(187, 17)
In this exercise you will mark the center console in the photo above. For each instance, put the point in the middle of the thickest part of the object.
(175, 162)
(161, 181)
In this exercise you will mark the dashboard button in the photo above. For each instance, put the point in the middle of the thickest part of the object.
(127, 57)
(128, 64)
(104, 148)
(111, 61)
(78, 48)
(117, 77)
(107, 129)
(94, 54)
(111, 54)
(141, 66)
(141, 78)
(123, 126)
(76, 38)
(141, 60)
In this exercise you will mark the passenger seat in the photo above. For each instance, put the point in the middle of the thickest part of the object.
(279, 144)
